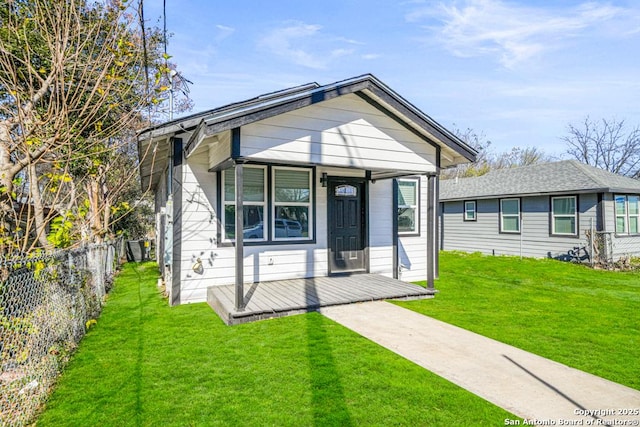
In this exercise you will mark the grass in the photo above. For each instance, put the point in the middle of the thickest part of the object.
(147, 364)
(583, 318)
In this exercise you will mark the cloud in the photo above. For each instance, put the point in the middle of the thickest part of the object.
(511, 32)
(307, 45)
(223, 32)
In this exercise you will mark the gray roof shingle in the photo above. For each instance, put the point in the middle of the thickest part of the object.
(567, 176)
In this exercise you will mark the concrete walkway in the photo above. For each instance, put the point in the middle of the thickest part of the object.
(524, 384)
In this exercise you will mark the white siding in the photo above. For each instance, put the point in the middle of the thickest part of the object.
(412, 250)
(535, 239)
(342, 132)
(343, 137)
(200, 224)
(381, 227)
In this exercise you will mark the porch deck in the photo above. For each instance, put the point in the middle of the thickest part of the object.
(286, 297)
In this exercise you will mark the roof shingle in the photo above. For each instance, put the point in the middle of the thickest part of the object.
(567, 176)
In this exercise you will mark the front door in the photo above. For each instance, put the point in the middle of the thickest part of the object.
(347, 225)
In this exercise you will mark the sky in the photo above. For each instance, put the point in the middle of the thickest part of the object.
(516, 72)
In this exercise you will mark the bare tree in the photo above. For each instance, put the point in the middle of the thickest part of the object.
(606, 144)
(488, 160)
(480, 143)
(520, 157)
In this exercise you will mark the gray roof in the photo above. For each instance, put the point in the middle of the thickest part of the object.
(564, 177)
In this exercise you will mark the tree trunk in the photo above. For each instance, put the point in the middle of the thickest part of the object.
(38, 207)
(95, 217)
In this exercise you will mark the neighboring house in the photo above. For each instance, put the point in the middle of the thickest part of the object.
(336, 179)
(542, 210)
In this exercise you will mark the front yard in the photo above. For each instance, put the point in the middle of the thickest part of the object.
(584, 318)
(145, 363)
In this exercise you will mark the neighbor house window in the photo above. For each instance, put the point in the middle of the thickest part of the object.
(470, 210)
(627, 214)
(564, 215)
(408, 206)
(292, 203)
(510, 215)
(255, 199)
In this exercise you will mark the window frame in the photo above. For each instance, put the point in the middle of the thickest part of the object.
(465, 211)
(268, 220)
(416, 207)
(502, 215)
(225, 203)
(554, 216)
(274, 205)
(627, 215)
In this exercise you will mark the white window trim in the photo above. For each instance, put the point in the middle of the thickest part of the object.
(275, 204)
(503, 216)
(554, 216)
(626, 215)
(415, 207)
(474, 210)
(629, 215)
(225, 203)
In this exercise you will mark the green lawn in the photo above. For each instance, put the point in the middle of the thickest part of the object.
(147, 364)
(583, 318)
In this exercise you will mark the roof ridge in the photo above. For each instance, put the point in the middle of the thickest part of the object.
(587, 170)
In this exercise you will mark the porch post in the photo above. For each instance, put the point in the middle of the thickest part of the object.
(431, 229)
(239, 235)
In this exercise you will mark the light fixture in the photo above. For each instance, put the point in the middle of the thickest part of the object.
(323, 179)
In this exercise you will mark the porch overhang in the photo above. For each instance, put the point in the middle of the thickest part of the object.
(154, 155)
(202, 128)
(452, 149)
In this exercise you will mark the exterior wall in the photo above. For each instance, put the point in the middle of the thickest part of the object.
(342, 132)
(535, 239)
(381, 227)
(621, 246)
(342, 137)
(200, 224)
(412, 250)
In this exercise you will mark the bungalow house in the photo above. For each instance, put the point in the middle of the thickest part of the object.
(542, 210)
(336, 179)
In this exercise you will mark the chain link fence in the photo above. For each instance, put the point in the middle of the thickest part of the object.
(47, 302)
(610, 252)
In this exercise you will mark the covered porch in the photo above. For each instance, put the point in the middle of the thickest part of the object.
(280, 298)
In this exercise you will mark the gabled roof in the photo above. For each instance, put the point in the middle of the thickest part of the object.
(564, 177)
(201, 125)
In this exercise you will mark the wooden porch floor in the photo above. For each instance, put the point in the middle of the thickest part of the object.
(286, 297)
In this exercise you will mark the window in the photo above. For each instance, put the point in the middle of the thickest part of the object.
(470, 210)
(407, 206)
(564, 215)
(510, 215)
(627, 214)
(284, 214)
(254, 192)
(292, 203)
